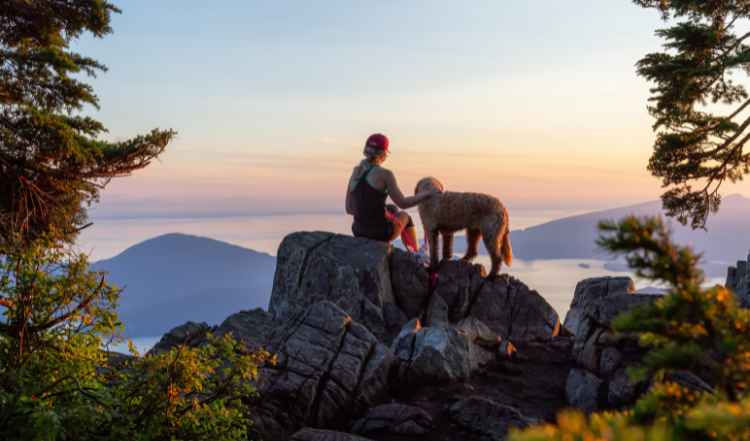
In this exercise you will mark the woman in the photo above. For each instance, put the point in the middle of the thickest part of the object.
(369, 186)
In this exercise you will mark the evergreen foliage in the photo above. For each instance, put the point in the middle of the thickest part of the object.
(53, 162)
(691, 330)
(56, 316)
(701, 110)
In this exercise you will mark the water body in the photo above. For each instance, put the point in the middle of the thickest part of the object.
(553, 279)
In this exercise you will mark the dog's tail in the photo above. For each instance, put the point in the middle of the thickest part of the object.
(507, 248)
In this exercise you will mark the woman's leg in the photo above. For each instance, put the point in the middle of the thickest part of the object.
(404, 226)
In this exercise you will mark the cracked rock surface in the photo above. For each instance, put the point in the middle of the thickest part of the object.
(353, 273)
(589, 290)
(329, 369)
(394, 418)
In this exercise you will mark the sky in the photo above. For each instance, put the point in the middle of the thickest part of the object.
(536, 102)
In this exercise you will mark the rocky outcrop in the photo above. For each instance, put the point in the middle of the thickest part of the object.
(602, 356)
(411, 283)
(394, 419)
(590, 290)
(486, 418)
(189, 334)
(352, 273)
(738, 280)
(382, 289)
(330, 368)
(365, 344)
(310, 434)
(435, 354)
(251, 327)
(506, 305)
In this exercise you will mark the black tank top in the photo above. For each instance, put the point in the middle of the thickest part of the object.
(369, 204)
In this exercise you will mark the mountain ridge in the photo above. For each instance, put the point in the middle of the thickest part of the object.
(176, 277)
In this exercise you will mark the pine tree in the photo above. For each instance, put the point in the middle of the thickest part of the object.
(701, 112)
(691, 329)
(53, 161)
(56, 381)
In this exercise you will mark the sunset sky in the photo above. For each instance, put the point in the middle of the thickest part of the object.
(536, 102)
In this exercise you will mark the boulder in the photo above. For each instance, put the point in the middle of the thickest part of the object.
(514, 311)
(457, 287)
(252, 327)
(583, 390)
(329, 369)
(395, 419)
(622, 390)
(589, 290)
(602, 356)
(484, 344)
(310, 434)
(189, 334)
(486, 418)
(506, 305)
(350, 272)
(435, 354)
(410, 282)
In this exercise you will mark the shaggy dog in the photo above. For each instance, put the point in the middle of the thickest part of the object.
(480, 215)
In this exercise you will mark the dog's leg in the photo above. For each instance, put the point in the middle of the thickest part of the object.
(492, 243)
(447, 245)
(472, 243)
(432, 237)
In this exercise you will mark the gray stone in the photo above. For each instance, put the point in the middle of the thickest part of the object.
(514, 311)
(622, 390)
(582, 390)
(351, 272)
(486, 418)
(457, 286)
(587, 355)
(394, 418)
(435, 354)
(603, 311)
(589, 290)
(609, 361)
(188, 334)
(478, 332)
(410, 282)
(437, 312)
(310, 434)
(252, 327)
(484, 344)
(329, 369)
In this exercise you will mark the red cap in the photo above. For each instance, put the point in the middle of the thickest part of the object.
(377, 141)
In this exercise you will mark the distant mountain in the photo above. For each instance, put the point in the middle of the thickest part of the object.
(727, 238)
(174, 278)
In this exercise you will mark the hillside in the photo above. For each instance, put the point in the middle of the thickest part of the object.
(173, 278)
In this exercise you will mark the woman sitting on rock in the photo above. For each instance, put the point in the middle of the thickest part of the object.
(369, 186)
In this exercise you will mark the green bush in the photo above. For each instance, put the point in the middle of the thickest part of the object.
(56, 383)
(690, 329)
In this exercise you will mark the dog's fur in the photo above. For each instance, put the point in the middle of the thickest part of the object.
(481, 215)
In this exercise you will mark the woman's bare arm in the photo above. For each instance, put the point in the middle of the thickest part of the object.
(398, 197)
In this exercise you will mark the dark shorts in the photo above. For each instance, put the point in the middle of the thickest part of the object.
(383, 232)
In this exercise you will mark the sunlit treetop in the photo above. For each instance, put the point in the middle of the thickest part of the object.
(53, 160)
(699, 102)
